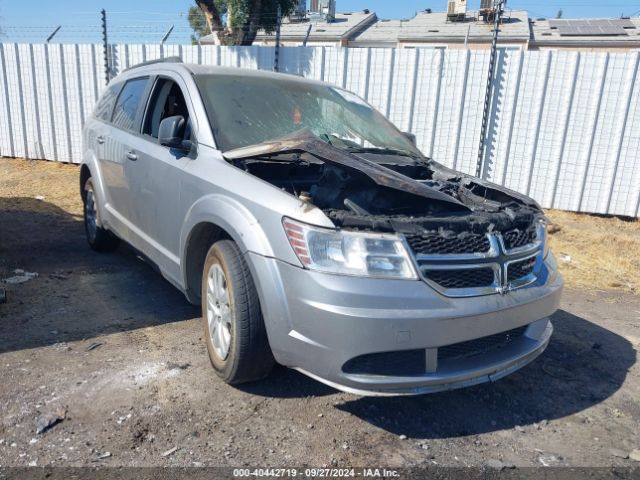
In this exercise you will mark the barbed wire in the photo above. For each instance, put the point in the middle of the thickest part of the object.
(154, 25)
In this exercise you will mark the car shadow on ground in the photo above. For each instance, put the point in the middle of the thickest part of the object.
(583, 365)
(78, 293)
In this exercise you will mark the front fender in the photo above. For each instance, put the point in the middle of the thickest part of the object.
(231, 216)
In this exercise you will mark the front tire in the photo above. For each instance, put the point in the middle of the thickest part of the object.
(99, 239)
(234, 328)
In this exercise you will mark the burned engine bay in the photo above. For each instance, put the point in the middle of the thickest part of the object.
(385, 191)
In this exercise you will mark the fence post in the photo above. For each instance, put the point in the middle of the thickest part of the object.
(276, 54)
(53, 34)
(105, 47)
(499, 5)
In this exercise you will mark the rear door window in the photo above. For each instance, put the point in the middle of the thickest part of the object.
(128, 103)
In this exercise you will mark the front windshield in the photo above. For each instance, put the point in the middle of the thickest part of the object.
(246, 111)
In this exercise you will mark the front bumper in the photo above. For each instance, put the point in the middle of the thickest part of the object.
(318, 322)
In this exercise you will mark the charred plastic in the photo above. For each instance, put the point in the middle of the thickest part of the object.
(454, 219)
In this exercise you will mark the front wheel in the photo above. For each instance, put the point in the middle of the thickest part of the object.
(234, 328)
(99, 239)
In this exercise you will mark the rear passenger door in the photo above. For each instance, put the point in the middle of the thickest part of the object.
(125, 122)
(156, 176)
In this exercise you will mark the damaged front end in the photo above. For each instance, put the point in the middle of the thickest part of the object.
(467, 237)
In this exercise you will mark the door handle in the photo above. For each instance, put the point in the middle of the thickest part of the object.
(100, 139)
(132, 156)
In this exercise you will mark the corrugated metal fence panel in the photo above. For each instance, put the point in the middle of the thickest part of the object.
(613, 110)
(564, 127)
(624, 165)
(578, 142)
(451, 100)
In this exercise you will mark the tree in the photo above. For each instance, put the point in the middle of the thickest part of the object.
(236, 22)
(198, 24)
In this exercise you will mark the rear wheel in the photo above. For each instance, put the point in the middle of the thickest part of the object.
(234, 329)
(99, 239)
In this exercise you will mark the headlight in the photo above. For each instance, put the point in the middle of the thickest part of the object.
(349, 253)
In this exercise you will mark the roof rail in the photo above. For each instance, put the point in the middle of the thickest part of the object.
(151, 62)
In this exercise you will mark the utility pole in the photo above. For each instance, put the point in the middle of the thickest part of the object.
(499, 7)
(276, 55)
(105, 46)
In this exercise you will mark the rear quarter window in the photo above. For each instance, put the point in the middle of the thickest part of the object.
(128, 103)
(104, 108)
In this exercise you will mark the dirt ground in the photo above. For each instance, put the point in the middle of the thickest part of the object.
(106, 343)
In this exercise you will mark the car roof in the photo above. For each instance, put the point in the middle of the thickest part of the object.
(197, 70)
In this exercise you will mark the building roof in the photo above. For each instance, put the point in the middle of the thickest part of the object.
(434, 27)
(594, 32)
(345, 25)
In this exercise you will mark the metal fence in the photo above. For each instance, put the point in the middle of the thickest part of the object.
(564, 126)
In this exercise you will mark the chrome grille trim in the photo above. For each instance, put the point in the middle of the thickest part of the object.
(498, 258)
(463, 292)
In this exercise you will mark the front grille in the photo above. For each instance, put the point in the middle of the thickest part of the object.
(520, 269)
(437, 244)
(401, 363)
(471, 264)
(518, 238)
(479, 345)
(463, 278)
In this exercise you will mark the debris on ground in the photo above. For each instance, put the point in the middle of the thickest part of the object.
(565, 258)
(178, 366)
(635, 455)
(615, 452)
(102, 456)
(617, 413)
(541, 424)
(550, 460)
(93, 346)
(20, 276)
(40, 198)
(169, 452)
(48, 420)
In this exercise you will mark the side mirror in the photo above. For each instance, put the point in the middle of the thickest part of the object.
(411, 137)
(171, 133)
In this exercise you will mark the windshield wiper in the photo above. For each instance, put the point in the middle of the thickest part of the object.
(382, 151)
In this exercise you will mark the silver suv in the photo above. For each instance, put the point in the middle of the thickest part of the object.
(314, 233)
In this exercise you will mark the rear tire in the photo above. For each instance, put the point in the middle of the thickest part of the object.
(99, 239)
(234, 328)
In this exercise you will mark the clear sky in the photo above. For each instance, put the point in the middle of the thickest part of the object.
(133, 21)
